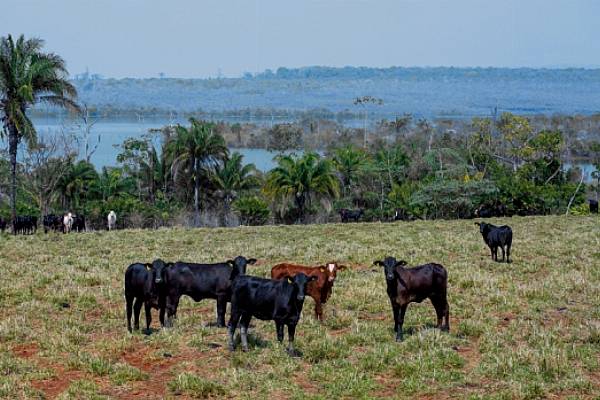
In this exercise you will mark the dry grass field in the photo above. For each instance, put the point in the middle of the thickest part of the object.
(526, 330)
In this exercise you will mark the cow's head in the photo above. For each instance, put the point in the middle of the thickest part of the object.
(239, 265)
(159, 269)
(483, 227)
(299, 281)
(389, 265)
(330, 270)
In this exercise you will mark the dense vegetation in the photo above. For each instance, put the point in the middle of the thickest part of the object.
(528, 330)
(185, 174)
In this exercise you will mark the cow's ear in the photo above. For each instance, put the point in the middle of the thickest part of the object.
(401, 263)
(313, 278)
(477, 223)
(230, 262)
(322, 268)
(378, 262)
(290, 280)
(148, 266)
(252, 261)
(342, 267)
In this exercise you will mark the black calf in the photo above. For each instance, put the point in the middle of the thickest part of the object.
(346, 215)
(496, 236)
(144, 283)
(271, 300)
(203, 281)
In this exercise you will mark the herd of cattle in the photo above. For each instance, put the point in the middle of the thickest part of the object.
(69, 222)
(160, 285)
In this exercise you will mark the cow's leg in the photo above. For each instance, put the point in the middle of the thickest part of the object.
(161, 315)
(318, 310)
(399, 333)
(291, 333)
(129, 310)
(279, 326)
(395, 311)
(508, 253)
(502, 248)
(148, 310)
(172, 303)
(244, 324)
(446, 326)
(439, 310)
(492, 252)
(233, 321)
(137, 307)
(221, 309)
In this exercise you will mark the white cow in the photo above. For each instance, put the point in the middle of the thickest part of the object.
(67, 222)
(112, 220)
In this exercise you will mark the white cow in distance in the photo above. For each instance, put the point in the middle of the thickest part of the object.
(67, 222)
(112, 220)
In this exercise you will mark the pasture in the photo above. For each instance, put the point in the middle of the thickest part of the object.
(530, 329)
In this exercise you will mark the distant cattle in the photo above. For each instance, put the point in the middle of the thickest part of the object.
(144, 283)
(52, 222)
(111, 220)
(491, 210)
(78, 223)
(496, 236)
(67, 222)
(593, 206)
(320, 289)
(347, 215)
(25, 225)
(2, 224)
(203, 281)
(408, 285)
(270, 300)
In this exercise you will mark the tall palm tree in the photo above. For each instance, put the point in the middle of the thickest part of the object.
(196, 149)
(232, 178)
(348, 161)
(76, 183)
(302, 180)
(28, 76)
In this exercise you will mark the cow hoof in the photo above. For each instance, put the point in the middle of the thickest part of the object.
(399, 339)
(294, 353)
(245, 349)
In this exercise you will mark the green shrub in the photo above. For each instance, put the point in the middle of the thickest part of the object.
(252, 210)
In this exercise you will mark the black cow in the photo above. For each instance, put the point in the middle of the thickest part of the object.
(52, 222)
(496, 236)
(25, 225)
(202, 281)
(2, 224)
(404, 286)
(144, 283)
(78, 223)
(353, 215)
(593, 206)
(270, 300)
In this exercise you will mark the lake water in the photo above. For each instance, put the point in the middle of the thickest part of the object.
(114, 132)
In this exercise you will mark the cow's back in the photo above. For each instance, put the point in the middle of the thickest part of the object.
(199, 280)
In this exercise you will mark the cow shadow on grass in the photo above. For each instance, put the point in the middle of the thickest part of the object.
(254, 341)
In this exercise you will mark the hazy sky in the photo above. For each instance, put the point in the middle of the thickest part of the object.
(199, 38)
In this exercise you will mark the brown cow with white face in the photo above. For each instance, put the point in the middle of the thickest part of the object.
(320, 289)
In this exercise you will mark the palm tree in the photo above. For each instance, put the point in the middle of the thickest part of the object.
(28, 76)
(196, 149)
(76, 183)
(232, 178)
(348, 161)
(302, 180)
